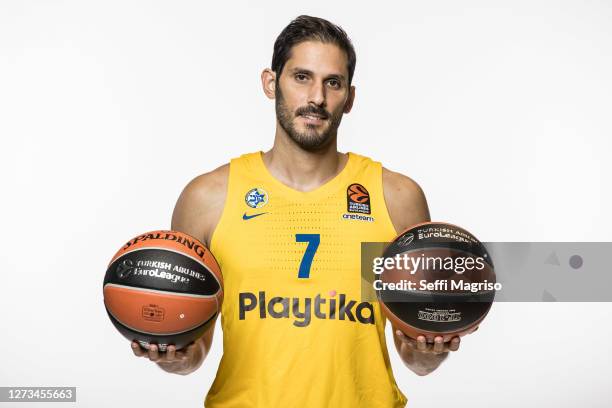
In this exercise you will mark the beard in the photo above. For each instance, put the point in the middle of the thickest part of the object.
(310, 139)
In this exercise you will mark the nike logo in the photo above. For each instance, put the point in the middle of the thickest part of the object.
(248, 217)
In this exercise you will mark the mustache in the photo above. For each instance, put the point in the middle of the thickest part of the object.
(305, 110)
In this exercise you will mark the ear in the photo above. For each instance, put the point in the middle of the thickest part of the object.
(348, 105)
(268, 82)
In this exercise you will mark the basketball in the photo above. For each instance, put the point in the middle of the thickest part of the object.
(438, 280)
(163, 287)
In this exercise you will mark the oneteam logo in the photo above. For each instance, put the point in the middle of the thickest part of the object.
(301, 309)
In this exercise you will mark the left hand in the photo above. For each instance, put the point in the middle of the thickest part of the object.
(421, 345)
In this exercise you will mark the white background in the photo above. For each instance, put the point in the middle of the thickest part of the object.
(499, 110)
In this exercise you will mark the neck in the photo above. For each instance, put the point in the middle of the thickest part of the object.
(300, 169)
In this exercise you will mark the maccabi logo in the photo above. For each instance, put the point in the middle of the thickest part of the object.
(256, 198)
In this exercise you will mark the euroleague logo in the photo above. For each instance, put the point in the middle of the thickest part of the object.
(256, 198)
(357, 203)
(405, 240)
(357, 199)
(125, 269)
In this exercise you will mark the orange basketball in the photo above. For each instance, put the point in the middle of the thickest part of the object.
(163, 287)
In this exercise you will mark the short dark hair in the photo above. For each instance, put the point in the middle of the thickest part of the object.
(307, 28)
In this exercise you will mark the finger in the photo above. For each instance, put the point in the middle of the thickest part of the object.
(438, 344)
(405, 339)
(138, 351)
(421, 343)
(180, 355)
(153, 352)
(170, 353)
(183, 353)
(191, 349)
(400, 335)
(454, 343)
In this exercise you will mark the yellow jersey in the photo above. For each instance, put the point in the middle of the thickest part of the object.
(295, 331)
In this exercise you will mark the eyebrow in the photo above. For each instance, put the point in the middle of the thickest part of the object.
(299, 70)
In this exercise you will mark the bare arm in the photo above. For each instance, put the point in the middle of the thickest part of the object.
(198, 208)
(196, 213)
(405, 200)
(407, 206)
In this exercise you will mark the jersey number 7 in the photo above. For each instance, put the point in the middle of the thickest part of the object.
(313, 243)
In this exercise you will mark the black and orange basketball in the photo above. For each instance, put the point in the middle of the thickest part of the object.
(163, 287)
(439, 280)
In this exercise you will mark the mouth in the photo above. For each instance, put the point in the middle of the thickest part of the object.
(313, 119)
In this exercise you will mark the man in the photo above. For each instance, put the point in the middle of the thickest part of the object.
(286, 227)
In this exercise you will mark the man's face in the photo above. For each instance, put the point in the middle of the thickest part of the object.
(312, 93)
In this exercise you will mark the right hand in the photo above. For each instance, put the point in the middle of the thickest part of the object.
(182, 361)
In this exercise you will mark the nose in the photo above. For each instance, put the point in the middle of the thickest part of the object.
(317, 94)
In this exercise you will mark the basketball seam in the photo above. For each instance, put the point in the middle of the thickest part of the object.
(139, 289)
(160, 334)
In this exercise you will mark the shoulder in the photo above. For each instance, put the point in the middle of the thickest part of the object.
(405, 200)
(208, 184)
(200, 204)
(400, 185)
